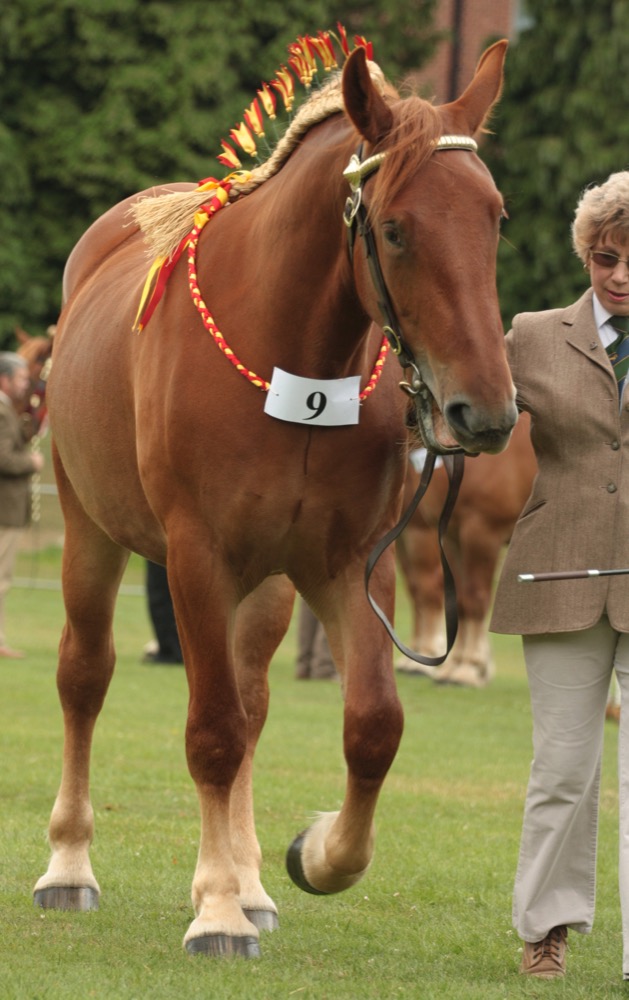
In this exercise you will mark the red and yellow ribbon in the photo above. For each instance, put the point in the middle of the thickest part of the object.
(162, 268)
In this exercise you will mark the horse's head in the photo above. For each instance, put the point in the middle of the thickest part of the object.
(37, 352)
(429, 213)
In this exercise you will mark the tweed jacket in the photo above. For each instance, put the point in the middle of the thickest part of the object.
(577, 516)
(16, 468)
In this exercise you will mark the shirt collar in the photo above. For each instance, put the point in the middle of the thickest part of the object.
(606, 331)
(5, 399)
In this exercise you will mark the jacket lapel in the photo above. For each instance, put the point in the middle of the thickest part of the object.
(581, 332)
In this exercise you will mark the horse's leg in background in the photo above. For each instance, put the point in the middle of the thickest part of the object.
(335, 852)
(471, 663)
(92, 569)
(473, 666)
(418, 554)
(261, 624)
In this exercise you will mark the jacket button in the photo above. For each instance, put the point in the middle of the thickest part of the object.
(611, 487)
(615, 445)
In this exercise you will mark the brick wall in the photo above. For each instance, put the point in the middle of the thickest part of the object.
(478, 21)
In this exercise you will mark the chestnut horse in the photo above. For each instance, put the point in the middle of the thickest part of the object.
(37, 351)
(492, 494)
(180, 462)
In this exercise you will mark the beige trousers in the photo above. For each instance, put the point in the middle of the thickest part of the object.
(569, 676)
(9, 543)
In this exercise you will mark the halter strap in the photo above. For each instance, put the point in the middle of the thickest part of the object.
(454, 465)
(355, 218)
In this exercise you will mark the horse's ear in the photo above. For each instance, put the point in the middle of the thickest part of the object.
(476, 102)
(367, 109)
(21, 335)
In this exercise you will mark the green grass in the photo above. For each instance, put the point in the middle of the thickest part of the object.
(430, 920)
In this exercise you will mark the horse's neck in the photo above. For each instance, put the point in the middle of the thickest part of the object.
(300, 213)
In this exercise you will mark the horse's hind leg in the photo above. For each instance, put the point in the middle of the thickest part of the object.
(262, 621)
(92, 569)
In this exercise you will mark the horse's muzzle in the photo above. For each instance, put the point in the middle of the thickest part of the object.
(478, 429)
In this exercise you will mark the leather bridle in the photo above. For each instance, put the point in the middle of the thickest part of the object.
(355, 216)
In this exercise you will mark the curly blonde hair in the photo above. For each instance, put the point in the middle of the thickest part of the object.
(602, 210)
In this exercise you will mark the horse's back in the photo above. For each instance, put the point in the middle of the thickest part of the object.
(105, 236)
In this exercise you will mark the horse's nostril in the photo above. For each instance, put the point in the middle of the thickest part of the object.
(458, 416)
(471, 424)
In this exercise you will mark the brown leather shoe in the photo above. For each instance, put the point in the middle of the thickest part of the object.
(546, 959)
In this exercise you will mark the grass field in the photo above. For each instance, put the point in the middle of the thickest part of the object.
(430, 920)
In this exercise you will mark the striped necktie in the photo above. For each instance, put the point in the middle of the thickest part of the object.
(618, 351)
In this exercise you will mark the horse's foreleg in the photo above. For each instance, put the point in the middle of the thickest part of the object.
(262, 621)
(335, 852)
(92, 569)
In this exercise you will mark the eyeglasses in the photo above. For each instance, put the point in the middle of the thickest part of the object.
(607, 260)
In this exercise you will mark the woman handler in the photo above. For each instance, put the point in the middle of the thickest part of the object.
(575, 632)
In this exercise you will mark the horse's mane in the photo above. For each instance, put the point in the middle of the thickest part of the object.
(410, 143)
(324, 102)
(166, 219)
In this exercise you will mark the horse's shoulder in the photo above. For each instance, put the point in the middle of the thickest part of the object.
(105, 235)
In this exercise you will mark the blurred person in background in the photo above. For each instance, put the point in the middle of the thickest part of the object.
(17, 465)
(165, 647)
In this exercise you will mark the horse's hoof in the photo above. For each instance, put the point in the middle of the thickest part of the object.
(66, 897)
(413, 669)
(264, 920)
(470, 675)
(443, 673)
(223, 946)
(295, 868)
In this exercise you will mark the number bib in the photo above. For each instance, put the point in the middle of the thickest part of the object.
(325, 402)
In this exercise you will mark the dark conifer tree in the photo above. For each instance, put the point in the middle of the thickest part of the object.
(102, 98)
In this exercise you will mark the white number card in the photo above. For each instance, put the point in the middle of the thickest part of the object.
(325, 402)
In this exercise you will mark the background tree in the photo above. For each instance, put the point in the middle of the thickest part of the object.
(102, 98)
(562, 124)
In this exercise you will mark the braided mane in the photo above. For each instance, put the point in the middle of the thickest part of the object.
(166, 219)
(322, 104)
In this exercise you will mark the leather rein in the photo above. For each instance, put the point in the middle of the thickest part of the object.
(356, 219)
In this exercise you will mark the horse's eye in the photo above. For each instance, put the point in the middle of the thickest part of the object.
(392, 234)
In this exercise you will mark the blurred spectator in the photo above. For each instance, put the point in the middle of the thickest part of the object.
(165, 648)
(314, 659)
(17, 465)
